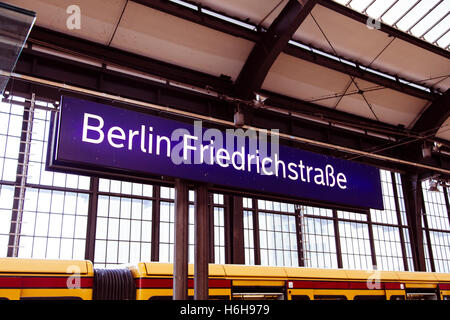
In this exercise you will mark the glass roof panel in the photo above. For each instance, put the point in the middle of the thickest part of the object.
(428, 20)
(15, 26)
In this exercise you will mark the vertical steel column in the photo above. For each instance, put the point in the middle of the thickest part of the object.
(180, 261)
(400, 222)
(447, 202)
(92, 220)
(426, 228)
(228, 220)
(237, 230)
(412, 192)
(371, 240)
(337, 237)
(156, 222)
(21, 178)
(211, 227)
(299, 227)
(202, 243)
(256, 241)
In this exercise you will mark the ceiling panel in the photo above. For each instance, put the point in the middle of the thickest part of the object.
(334, 32)
(161, 36)
(349, 38)
(396, 108)
(355, 104)
(254, 10)
(304, 80)
(444, 131)
(413, 63)
(388, 106)
(440, 81)
(98, 18)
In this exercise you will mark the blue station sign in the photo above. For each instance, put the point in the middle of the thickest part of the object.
(94, 137)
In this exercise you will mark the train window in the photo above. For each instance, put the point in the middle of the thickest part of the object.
(299, 297)
(258, 296)
(329, 297)
(397, 297)
(189, 298)
(369, 297)
(219, 297)
(160, 298)
(445, 297)
(258, 293)
(51, 298)
(421, 296)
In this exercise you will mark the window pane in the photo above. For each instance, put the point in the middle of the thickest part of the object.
(357, 254)
(436, 215)
(50, 227)
(275, 235)
(123, 229)
(388, 248)
(389, 214)
(319, 239)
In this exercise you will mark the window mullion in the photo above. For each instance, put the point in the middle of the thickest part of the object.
(21, 177)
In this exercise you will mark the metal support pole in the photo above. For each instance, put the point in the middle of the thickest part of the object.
(299, 226)
(237, 230)
(156, 223)
(92, 220)
(413, 199)
(337, 238)
(201, 251)
(400, 222)
(21, 179)
(180, 263)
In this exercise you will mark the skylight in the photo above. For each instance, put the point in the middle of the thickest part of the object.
(428, 20)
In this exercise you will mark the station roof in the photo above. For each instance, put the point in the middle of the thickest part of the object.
(339, 57)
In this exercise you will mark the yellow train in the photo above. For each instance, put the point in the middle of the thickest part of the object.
(68, 279)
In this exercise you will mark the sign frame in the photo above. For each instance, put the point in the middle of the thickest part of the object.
(78, 167)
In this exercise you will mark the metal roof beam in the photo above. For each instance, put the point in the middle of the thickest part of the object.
(81, 47)
(434, 116)
(200, 18)
(358, 72)
(268, 48)
(308, 55)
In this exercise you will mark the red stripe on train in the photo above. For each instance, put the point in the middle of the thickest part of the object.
(149, 283)
(444, 286)
(343, 285)
(393, 286)
(45, 282)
